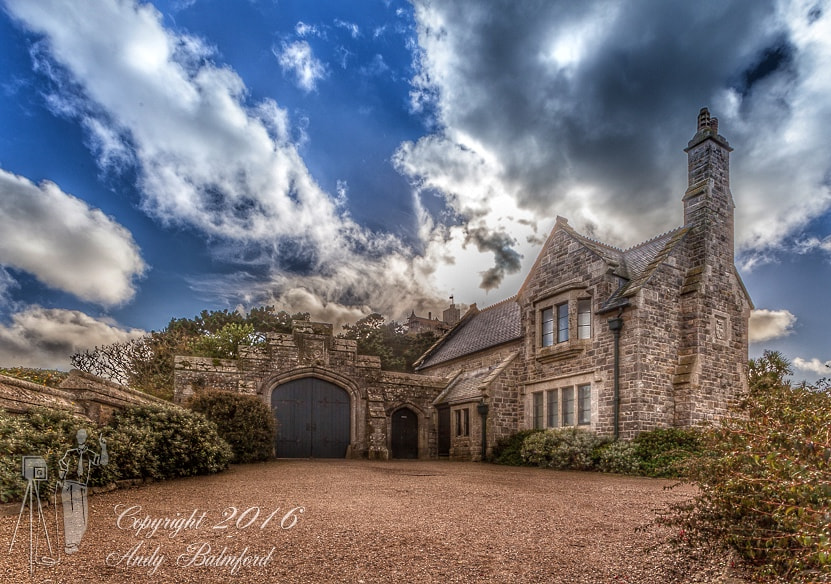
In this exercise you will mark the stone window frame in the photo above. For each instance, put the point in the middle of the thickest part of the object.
(557, 386)
(571, 297)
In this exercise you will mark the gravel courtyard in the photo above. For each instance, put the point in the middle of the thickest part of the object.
(365, 522)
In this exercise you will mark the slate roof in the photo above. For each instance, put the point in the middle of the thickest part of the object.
(640, 262)
(472, 385)
(478, 330)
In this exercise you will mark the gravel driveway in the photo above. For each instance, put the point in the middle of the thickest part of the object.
(361, 522)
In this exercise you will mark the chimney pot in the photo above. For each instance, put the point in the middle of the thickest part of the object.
(703, 119)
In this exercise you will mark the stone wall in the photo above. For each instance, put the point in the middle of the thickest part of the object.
(502, 392)
(18, 396)
(650, 339)
(80, 394)
(311, 350)
(567, 271)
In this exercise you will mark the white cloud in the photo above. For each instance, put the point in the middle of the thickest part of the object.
(204, 156)
(814, 365)
(350, 27)
(770, 324)
(297, 58)
(64, 243)
(207, 158)
(303, 29)
(46, 338)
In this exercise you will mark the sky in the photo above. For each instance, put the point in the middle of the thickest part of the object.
(342, 158)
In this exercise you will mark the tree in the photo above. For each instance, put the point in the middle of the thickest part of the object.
(225, 343)
(389, 341)
(771, 369)
(147, 363)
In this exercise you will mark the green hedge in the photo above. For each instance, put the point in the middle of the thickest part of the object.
(656, 453)
(40, 432)
(142, 442)
(508, 450)
(661, 452)
(562, 448)
(166, 442)
(244, 421)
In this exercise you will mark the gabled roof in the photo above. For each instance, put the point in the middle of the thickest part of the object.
(468, 386)
(477, 330)
(640, 262)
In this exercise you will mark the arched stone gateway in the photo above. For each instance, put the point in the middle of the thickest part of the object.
(329, 400)
(404, 433)
(313, 419)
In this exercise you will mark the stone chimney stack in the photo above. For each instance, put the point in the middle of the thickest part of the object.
(708, 202)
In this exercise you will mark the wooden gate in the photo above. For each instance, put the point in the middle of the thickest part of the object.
(312, 419)
(404, 439)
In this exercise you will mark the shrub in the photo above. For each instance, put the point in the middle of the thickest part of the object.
(764, 481)
(40, 432)
(662, 451)
(619, 457)
(165, 442)
(562, 448)
(508, 450)
(243, 421)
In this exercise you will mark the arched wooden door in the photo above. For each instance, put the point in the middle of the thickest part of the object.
(312, 419)
(404, 439)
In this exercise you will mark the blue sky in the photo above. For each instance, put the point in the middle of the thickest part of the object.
(341, 158)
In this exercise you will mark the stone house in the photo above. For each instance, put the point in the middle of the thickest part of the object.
(614, 340)
(618, 341)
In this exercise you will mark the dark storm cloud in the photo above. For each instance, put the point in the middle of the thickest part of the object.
(506, 259)
(572, 92)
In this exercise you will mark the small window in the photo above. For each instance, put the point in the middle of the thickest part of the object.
(537, 410)
(562, 323)
(547, 318)
(584, 318)
(463, 422)
(553, 418)
(584, 404)
(568, 406)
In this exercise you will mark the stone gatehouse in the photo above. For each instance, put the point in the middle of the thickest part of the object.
(618, 341)
(329, 401)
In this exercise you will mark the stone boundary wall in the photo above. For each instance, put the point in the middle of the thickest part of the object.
(81, 394)
(18, 396)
